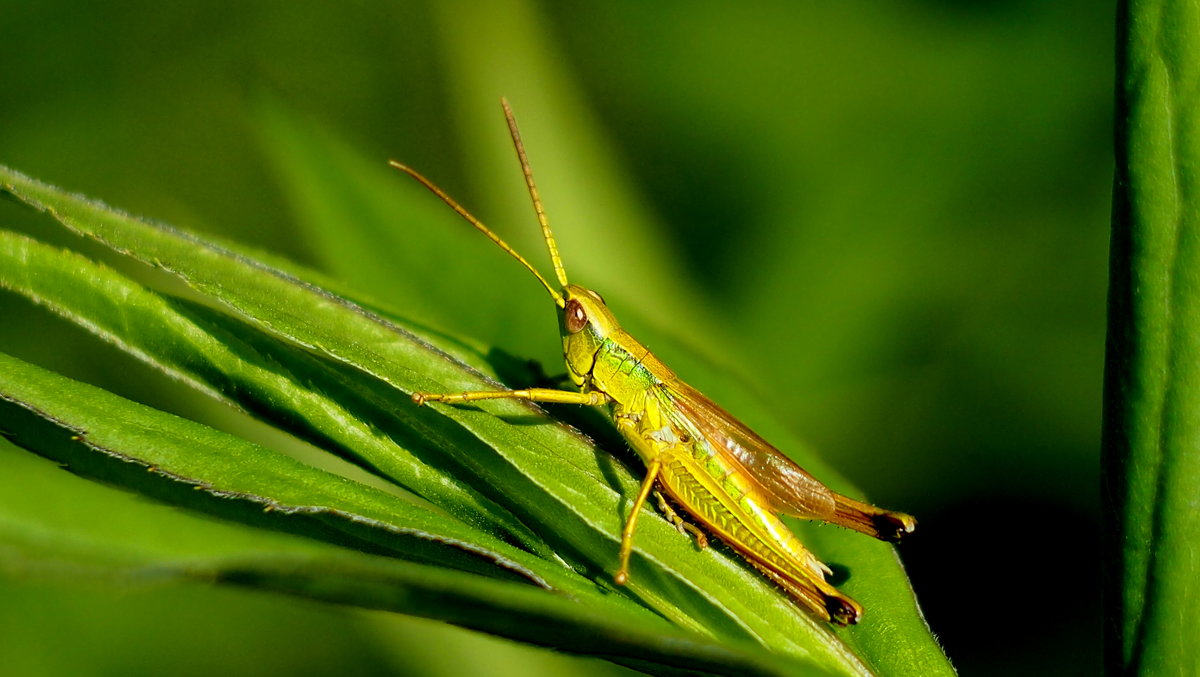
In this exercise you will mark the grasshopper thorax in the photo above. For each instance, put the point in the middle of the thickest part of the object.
(584, 322)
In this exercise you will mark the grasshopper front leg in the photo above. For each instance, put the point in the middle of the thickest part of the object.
(594, 397)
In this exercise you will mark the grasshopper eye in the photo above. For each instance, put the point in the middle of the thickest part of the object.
(575, 315)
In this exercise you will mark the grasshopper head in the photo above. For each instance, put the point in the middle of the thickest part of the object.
(584, 321)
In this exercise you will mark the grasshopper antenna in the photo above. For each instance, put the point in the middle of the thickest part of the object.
(461, 211)
(533, 193)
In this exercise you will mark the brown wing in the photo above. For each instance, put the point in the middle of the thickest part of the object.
(788, 487)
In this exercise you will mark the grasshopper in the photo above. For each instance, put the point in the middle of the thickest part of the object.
(722, 474)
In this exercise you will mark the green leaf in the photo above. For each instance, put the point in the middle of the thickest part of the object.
(96, 433)
(544, 473)
(53, 524)
(359, 215)
(1152, 379)
(268, 377)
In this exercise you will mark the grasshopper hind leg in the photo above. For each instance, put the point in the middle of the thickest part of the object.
(823, 599)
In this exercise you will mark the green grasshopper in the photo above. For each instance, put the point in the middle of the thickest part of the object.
(720, 472)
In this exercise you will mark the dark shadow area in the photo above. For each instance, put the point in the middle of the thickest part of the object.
(973, 561)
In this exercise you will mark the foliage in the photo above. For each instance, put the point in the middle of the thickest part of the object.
(1152, 407)
(514, 495)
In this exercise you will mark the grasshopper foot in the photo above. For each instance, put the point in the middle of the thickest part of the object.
(682, 525)
(843, 611)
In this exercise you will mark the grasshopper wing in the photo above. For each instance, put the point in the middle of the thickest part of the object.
(789, 489)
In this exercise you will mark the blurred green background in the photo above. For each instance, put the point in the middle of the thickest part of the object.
(891, 219)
